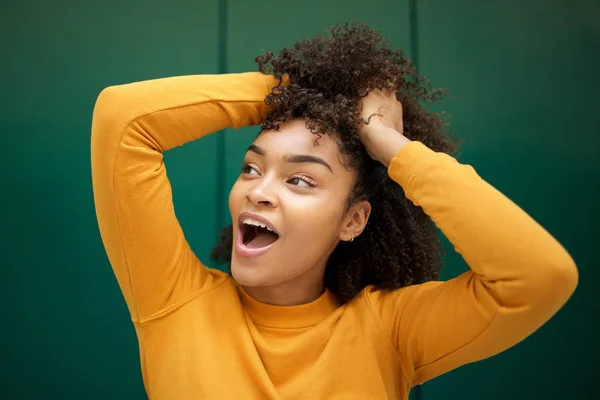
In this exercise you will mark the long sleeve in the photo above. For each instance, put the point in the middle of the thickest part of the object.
(132, 126)
(519, 276)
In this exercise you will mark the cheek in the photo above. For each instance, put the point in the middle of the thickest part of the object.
(235, 195)
(315, 219)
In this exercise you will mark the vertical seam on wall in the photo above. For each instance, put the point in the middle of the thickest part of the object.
(413, 33)
(220, 170)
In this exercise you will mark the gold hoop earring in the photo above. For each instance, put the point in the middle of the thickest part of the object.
(352, 240)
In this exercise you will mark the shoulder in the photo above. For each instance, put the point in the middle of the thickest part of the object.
(381, 301)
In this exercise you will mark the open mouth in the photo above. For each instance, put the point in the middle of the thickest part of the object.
(257, 234)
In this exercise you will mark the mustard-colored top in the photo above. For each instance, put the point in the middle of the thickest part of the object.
(202, 337)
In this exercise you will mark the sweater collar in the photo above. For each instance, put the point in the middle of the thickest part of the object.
(300, 316)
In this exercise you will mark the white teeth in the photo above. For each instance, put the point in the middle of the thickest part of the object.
(249, 221)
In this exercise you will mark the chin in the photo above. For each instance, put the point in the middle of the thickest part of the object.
(249, 276)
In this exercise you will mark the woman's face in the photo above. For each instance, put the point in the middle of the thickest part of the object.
(289, 210)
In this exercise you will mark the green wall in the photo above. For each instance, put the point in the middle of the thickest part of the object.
(524, 78)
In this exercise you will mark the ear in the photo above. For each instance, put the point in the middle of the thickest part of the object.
(355, 220)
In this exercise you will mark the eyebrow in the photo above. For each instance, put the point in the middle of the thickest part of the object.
(293, 158)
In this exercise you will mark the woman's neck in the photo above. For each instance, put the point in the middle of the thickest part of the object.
(302, 289)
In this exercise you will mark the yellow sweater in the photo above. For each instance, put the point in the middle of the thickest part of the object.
(202, 337)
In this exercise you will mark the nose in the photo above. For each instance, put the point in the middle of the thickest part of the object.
(263, 193)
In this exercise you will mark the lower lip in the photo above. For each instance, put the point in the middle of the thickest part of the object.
(244, 251)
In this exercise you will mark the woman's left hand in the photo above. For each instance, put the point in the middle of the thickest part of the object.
(383, 135)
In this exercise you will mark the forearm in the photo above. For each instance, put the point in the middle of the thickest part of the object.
(383, 142)
(519, 261)
(171, 111)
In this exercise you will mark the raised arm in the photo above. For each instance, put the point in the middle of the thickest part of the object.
(132, 126)
(520, 275)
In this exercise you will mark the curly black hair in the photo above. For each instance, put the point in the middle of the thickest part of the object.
(322, 81)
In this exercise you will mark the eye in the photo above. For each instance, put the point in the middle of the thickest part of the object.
(249, 170)
(302, 181)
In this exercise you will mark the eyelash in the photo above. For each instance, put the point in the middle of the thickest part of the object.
(246, 168)
(304, 179)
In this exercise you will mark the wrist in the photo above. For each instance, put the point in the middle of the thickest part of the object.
(383, 142)
(394, 145)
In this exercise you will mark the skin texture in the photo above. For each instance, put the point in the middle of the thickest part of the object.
(306, 204)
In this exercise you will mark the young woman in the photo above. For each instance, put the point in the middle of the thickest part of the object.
(333, 254)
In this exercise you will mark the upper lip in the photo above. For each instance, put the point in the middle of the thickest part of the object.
(256, 217)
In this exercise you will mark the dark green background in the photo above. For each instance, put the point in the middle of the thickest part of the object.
(524, 82)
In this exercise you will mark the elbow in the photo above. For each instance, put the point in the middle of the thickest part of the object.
(106, 105)
(542, 289)
(111, 114)
(565, 276)
(108, 122)
(556, 282)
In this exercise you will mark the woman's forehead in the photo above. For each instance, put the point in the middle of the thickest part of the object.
(294, 138)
